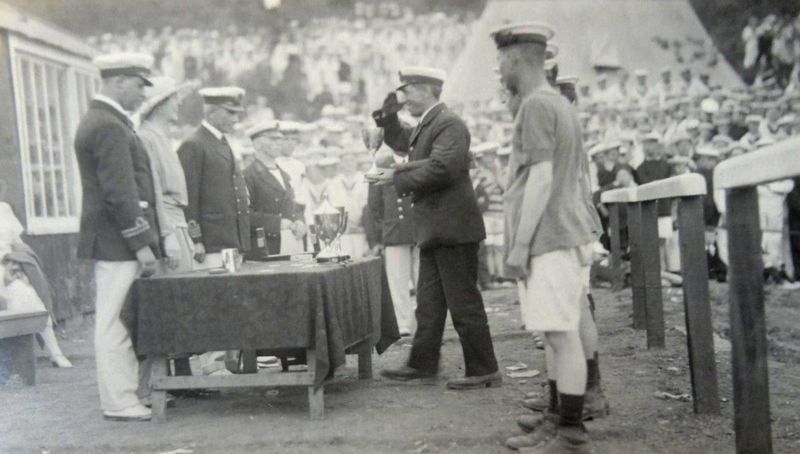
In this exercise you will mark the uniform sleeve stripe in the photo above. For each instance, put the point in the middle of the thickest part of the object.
(140, 227)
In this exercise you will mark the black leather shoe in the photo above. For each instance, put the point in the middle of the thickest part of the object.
(405, 373)
(493, 380)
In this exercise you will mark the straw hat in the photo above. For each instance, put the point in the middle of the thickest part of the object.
(163, 87)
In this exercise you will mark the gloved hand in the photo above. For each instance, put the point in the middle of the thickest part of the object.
(388, 110)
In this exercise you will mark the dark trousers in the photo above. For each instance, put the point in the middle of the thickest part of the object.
(448, 280)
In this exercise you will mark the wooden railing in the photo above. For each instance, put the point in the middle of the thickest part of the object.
(648, 310)
(739, 178)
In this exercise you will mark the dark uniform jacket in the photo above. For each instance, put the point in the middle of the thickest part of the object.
(118, 209)
(217, 212)
(393, 214)
(652, 170)
(437, 177)
(269, 203)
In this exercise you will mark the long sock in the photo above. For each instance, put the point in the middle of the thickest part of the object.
(553, 408)
(571, 410)
(592, 373)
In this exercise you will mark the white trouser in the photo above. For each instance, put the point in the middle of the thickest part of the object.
(117, 367)
(402, 268)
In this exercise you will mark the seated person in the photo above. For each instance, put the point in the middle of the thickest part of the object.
(23, 286)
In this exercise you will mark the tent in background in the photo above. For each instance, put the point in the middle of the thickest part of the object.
(594, 35)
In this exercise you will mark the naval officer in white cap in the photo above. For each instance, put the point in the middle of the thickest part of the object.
(118, 228)
(217, 210)
(448, 228)
(551, 224)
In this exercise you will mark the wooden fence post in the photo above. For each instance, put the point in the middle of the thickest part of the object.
(651, 264)
(637, 268)
(697, 310)
(748, 328)
(615, 261)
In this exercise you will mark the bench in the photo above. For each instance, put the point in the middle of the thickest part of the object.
(642, 204)
(17, 330)
(739, 177)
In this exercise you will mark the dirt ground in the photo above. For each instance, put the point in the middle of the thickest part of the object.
(61, 414)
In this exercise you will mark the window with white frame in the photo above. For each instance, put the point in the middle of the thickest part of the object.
(52, 90)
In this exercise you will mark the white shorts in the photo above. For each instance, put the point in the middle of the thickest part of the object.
(665, 227)
(555, 289)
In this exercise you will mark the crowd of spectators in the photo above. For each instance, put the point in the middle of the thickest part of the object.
(350, 62)
(326, 73)
(772, 48)
(640, 131)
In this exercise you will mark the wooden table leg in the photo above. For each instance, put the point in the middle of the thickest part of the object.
(637, 268)
(249, 361)
(365, 360)
(158, 397)
(696, 304)
(316, 402)
(19, 357)
(316, 397)
(751, 419)
(651, 262)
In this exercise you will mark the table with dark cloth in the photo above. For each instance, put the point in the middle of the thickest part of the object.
(324, 308)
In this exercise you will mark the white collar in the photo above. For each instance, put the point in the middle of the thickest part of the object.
(105, 99)
(428, 110)
(216, 132)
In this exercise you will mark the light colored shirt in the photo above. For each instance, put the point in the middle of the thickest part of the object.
(112, 103)
(547, 128)
(216, 132)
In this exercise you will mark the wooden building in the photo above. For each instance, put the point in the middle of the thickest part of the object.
(46, 83)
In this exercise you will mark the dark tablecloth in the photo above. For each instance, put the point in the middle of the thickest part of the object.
(265, 306)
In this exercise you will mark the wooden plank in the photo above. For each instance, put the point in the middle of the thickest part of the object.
(697, 309)
(621, 195)
(21, 323)
(775, 162)
(651, 264)
(272, 378)
(748, 326)
(678, 186)
(615, 261)
(158, 397)
(637, 268)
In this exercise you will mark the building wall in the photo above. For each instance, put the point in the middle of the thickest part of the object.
(71, 279)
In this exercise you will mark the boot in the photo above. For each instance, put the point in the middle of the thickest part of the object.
(541, 429)
(531, 422)
(568, 440)
(595, 404)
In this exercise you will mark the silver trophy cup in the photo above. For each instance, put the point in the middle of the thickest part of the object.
(331, 223)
